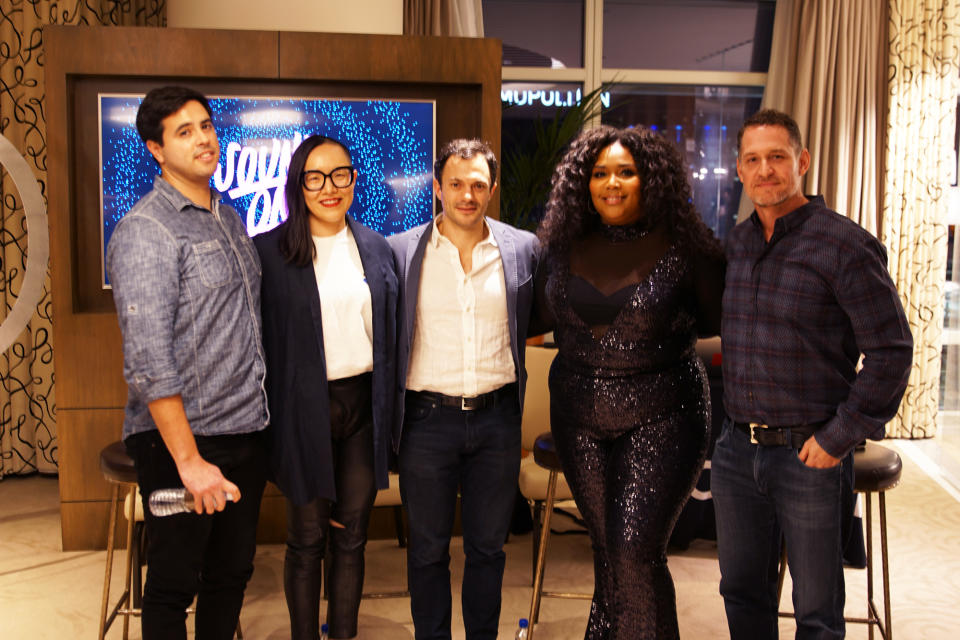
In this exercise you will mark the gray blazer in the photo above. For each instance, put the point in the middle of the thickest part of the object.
(519, 251)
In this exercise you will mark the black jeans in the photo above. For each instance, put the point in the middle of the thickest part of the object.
(351, 432)
(207, 556)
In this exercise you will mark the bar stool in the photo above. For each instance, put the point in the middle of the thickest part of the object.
(117, 467)
(545, 455)
(876, 469)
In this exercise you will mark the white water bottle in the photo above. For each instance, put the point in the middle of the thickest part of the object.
(522, 629)
(323, 631)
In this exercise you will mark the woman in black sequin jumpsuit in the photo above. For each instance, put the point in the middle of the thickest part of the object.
(633, 276)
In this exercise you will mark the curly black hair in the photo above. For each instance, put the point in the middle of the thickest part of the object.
(665, 192)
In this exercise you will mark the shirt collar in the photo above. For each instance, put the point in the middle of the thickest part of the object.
(435, 234)
(793, 219)
(177, 199)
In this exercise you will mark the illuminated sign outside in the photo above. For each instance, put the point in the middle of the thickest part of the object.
(547, 98)
(391, 144)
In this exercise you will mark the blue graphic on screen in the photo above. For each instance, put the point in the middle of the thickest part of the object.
(391, 144)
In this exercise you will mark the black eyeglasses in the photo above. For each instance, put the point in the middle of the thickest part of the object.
(341, 177)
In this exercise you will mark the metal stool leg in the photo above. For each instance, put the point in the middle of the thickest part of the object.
(872, 618)
(114, 505)
(541, 554)
(887, 630)
(128, 574)
(871, 611)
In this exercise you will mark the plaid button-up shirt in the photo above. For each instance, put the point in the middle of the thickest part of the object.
(798, 312)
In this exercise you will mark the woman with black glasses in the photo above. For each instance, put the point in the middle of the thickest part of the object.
(329, 297)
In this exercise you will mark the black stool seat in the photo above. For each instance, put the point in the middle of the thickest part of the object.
(876, 468)
(116, 465)
(545, 452)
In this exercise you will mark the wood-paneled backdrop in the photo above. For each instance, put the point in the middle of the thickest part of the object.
(461, 74)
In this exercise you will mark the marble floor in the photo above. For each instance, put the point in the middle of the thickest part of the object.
(48, 593)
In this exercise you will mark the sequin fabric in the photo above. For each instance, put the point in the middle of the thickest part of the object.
(630, 415)
(624, 232)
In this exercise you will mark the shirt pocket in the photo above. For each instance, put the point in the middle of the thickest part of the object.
(212, 263)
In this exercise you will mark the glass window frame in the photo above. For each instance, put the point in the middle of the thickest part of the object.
(593, 74)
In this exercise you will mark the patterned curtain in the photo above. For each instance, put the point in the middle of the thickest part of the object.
(28, 433)
(924, 54)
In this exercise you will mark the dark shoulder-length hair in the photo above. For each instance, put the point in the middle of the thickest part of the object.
(665, 192)
(296, 243)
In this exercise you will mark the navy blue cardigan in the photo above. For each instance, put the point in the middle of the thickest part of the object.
(301, 461)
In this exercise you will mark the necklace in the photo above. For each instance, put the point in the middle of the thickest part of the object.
(624, 232)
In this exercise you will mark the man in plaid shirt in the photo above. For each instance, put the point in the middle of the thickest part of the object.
(807, 294)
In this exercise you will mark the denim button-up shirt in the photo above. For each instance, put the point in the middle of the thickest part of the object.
(186, 284)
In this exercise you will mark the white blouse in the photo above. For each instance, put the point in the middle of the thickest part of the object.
(344, 305)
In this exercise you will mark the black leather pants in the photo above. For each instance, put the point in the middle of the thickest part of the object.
(309, 531)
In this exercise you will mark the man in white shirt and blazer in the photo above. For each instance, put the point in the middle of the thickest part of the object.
(467, 289)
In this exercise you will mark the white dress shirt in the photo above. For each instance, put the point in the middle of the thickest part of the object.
(461, 341)
(345, 305)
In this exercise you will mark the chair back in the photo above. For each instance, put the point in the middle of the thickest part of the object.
(536, 399)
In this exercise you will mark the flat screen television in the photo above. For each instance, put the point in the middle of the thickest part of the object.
(391, 143)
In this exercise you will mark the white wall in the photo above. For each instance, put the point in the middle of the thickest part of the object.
(337, 16)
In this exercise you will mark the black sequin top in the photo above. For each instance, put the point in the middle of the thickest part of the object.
(628, 307)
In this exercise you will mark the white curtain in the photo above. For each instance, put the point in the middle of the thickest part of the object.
(922, 70)
(463, 18)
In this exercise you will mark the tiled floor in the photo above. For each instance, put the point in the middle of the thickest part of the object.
(47, 593)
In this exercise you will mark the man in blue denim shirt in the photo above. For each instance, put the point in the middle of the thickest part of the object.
(186, 283)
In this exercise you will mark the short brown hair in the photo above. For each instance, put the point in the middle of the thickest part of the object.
(465, 148)
(772, 118)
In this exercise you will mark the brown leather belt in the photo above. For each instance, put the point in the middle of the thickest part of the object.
(770, 436)
(468, 403)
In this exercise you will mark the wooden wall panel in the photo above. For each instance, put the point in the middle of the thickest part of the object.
(87, 523)
(84, 433)
(461, 74)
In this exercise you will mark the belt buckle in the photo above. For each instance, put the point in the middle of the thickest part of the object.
(753, 426)
(466, 404)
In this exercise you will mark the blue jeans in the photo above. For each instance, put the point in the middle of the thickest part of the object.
(477, 452)
(758, 493)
